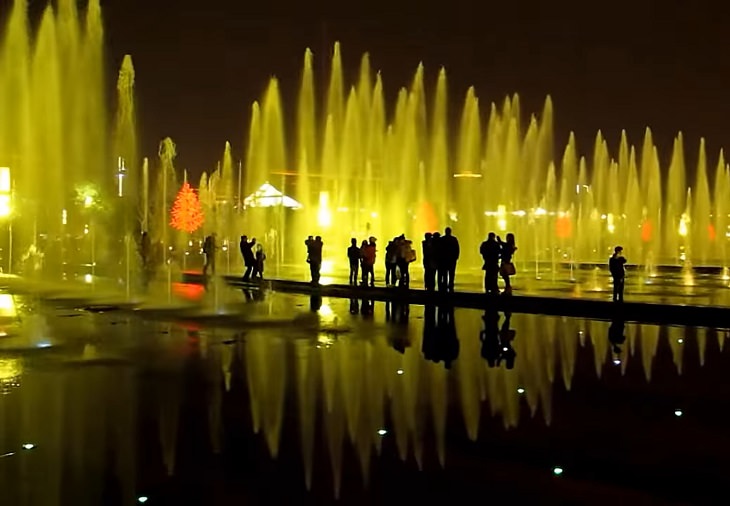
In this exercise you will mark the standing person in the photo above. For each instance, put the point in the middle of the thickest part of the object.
(449, 256)
(209, 248)
(391, 260)
(490, 251)
(618, 273)
(354, 256)
(260, 257)
(308, 243)
(429, 262)
(315, 258)
(145, 252)
(248, 257)
(368, 252)
(406, 255)
(507, 268)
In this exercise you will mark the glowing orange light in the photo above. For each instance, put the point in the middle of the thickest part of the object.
(647, 229)
(563, 227)
(188, 291)
(711, 233)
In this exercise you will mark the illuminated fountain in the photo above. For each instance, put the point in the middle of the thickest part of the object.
(72, 200)
(384, 171)
(356, 167)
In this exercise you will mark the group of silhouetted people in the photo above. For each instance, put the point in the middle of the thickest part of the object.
(253, 258)
(497, 256)
(252, 253)
(399, 254)
(440, 255)
(314, 256)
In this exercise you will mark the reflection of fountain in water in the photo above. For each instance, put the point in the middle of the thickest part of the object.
(358, 382)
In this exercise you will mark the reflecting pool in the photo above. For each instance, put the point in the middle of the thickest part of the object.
(329, 400)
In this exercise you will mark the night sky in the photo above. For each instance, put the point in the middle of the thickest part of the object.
(608, 65)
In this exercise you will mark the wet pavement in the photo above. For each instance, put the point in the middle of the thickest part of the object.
(348, 402)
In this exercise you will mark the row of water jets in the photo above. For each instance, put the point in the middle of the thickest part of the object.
(355, 167)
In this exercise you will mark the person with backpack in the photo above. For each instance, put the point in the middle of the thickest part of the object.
(368, 251)
(405, 255)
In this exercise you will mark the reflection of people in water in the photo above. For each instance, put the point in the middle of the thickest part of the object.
(448, 341)
(367, 307)
(315, 302)
(506, 336)
(440, 342)
(496, 342)
(616, 335)
(429, 347)
(490, 337)
(397, 312)
(354, 306)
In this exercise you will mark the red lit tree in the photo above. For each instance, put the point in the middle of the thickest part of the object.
(186, 213)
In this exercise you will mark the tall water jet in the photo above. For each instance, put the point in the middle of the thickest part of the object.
(306, 140)
(703, 233)
(125, 150)
(720, 210)
(675, 204)
(468, 170)
(125, 134)
(632, 208)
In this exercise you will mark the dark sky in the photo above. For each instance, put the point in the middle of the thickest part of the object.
(608, 65)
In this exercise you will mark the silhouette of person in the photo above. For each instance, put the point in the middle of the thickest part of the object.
(490, 251)
(506, 336)
(259, 258)
(314, 249)
(489, 337)
(616, 265)
(429, 262)
(249, 259)
(354, 255)
(448, 342)
(307, 243)
(145, 255)
(507, 268)
(448, 256)
(209, 250)
(368, 252)
(391, 260)
(405, 255)
(616, 335)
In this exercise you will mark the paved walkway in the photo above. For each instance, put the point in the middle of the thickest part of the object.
(594, 284)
